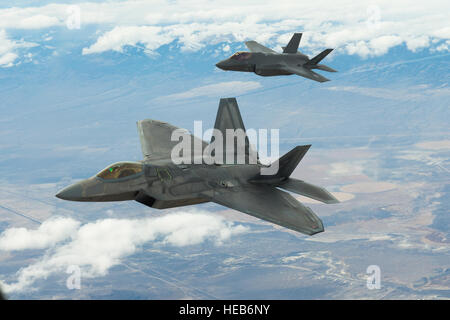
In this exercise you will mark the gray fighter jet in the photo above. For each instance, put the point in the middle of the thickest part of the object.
(158, 182)
(266, 62)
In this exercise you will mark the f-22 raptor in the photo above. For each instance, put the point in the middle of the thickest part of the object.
(266, 62)
(158, 182)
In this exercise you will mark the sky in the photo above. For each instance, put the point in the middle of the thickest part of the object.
(77, 75)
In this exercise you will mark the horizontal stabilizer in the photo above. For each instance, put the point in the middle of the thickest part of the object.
(308, 190)
(324, 68)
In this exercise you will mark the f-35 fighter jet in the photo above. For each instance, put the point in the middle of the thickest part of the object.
(266, 62)
(158, 182)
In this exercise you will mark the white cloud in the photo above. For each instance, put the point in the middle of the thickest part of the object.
(151, 37)
(48, 234)
(374, 47)
(381, 45)
(9, 48)
(443, 47)
(38, 21)
(97, 246)
(360, 28)
(7, 59)
(31, 17)
(230, 88)
(417, 43)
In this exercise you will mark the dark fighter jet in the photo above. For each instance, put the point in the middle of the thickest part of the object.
(266, 62)
(159, 183)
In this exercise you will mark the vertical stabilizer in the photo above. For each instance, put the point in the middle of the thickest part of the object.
(293, 44)
(230, 149)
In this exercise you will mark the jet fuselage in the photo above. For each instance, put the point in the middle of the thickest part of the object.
(263, 64)
(163, 183)
(266, 62)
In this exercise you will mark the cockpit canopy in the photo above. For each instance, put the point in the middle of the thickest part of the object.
(241, 55)
(120, 170)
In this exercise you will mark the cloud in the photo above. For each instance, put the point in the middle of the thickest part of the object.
(190, 36)
(381, 45)
(27, 18)
(38, 21)
(418, 43)
(97, 246)
(230, 88)
(363, 32)
(48, 234)
(359, 28)
(8, 49)
(151, 37)
(7, 59)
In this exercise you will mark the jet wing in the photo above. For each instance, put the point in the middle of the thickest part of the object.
(304, 72)
(254, 46)
(270, 204)
(156, 139)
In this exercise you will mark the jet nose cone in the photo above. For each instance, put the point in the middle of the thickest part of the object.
(221, 64)
(72, 192)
